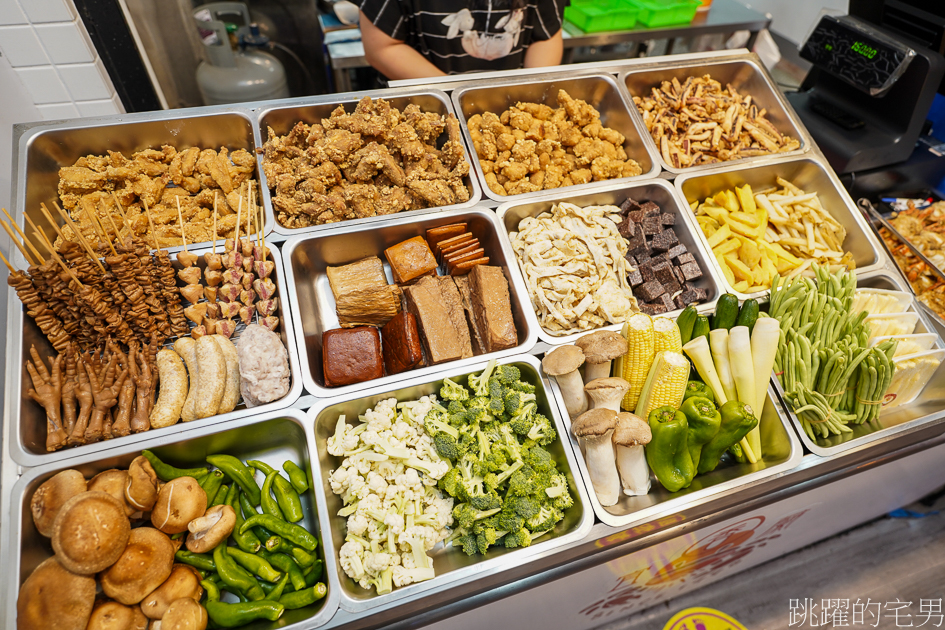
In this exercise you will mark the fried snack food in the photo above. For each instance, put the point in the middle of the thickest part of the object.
(575, 266)
(928, 286)
(401, 341)
(362, 295)
(159, 179)
(374, 161)
(924, 229)
(700, 122)
(532, 147)
(351, 355)
(410, 260)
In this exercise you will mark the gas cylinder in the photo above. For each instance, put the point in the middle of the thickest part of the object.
(246, 74)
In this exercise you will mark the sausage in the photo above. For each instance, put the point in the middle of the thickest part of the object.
(231, 393)
(173, 392)
(185, 347)
(211, 368)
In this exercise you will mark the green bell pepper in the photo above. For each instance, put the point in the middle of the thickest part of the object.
(703, 420)
(737, 420)
(700, 389)
(668, 452)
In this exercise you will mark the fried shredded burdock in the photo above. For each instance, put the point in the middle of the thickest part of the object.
(374, 161)
(700, 122)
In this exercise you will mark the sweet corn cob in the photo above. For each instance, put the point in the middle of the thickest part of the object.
(666, 336)
(638, 331)
(665, 383)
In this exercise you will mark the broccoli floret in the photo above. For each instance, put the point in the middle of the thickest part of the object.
(437, 421)
(522, 386)
(545, 519)
(447, 446)
(468, 542)
(477, 402)
(477, 416)
(508, 443)
(507, 520)
(539, 459)
(453, 391)
(452, 482)
(496, 405)
(493, 480)
(497, 388)
(524, 421)
(508, 374)
(525, 507)
(543, 431)
(518, 538)
(563, 502)
(468, 442)
(486, 535)
(515, 401)
(523, 482)
(485, 501)
(479, 383)
(455, 407)
(557, 486)
(466, 515)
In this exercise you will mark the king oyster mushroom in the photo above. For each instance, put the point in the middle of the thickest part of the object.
(600, 349)
(90, 532)
(141, 488)
(183, 614)
(606, 393)
(113, 482)
(210, 529)
(180, 501)
(184, 581)
(49, 497)
(143, 566)
(596, 428)
(108, 615)
(54, 597)
(631, 435)
(562, 363)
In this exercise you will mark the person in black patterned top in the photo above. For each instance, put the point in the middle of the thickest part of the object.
(409, 39)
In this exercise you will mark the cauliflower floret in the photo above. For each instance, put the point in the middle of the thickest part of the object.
(357, 524)
(400, 576)
(389, 469)
(428, 535)
(437, 470)
(442, 509)
(401, 431)
(409, 479)
(343, 439)
(376, 483)
(381, 416)
(360, 464)
(374, 563)
(357, 489)
(351, 560)
(394, 522)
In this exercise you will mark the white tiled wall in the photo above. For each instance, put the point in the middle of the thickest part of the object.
(50, 50)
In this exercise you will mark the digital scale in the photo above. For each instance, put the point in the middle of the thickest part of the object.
(866, 98)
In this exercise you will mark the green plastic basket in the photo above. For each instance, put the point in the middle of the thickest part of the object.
(599, 16)
(656, 13)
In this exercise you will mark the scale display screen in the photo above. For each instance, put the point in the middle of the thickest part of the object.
(856, 53)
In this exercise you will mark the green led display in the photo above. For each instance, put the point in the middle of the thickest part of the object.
(863, 49)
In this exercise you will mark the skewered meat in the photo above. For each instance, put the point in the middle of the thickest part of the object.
(246, 314)
(272, 323)
(213, 310)
(265, 288)
(210, 293)
(226, 328)
(261, 252)
(199, 331)
(192, 293)
(246, 247)
(229, 310)
(196, 312)
(248, 297)
(263, 268)
(190, 275)
(233, 276)
(266, 308)
(214, 261)
(247, 281)
(248, 263)
(187, 259)
(230, 292)
(213, 277)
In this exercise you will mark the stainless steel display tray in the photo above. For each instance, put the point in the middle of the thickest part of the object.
(452, 565)
(927, 407)
(811, 174)
(271, 437)
(599, 90)
(781, 452)
(745, 73)
(282, 115)
(28, 420)
(313, 304)
(44, 148)
(657, 190)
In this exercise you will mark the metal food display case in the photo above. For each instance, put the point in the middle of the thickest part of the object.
(619, 564)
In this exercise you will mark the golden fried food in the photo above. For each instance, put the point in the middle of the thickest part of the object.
(925, 229)
(532, 147)
(699, 122)
(374, 161)
(158, 180)
(928, 287)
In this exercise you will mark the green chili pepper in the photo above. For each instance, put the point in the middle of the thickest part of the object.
(220, 497)
(236, 615)
(210, 587)
(256, 564)
(290, 531)
(703, 420)
(668, 452)
(241, 597)
(269, 504)
(304, 558)
(289, 500)
(211, 484)
(738, 453)
(314, 573)
(297, 476)
(234, 576)
(301, 599)
(274, 591)
(737, 421)
(166, 472)
(235, 470)
(247, 541)
(698, 388)
(275, 544)
(287, 564)
(197, 560)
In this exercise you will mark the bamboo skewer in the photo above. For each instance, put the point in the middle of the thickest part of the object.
(99, 228)
(180, 218)
(59, 260)
(239, 213)
(7, 263)
(75, 230)
(36, 228)
(121, 211)
(112, 221)
(28, 242)
(52, 221)
(214, 249)
(16, 241)
(151, 223)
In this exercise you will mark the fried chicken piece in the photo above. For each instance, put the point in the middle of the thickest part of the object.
(338, 146)
(581, 175)
(589, 149)
(537, 110)
(523, 150)
(486, 148)
(361, 200)
(428, 125)
(520, 120)
(452, 152)
(436, 192)
(513, 170)
(403, 139)
(521, 186)
(579, 112)
(80, 180)
(494, 185)
(372, 118)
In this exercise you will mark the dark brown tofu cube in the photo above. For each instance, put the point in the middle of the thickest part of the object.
(664, 241)
(691, 271)
(651, 209)
(668, 219)
(635, 278)
(628, 206)
(664, 273)
(651, 290)
(677, 251)
(651, 309)
(636, 216)
(351, 355)
(651, 226)
(646, 271)
(685, 258)
(667, 301)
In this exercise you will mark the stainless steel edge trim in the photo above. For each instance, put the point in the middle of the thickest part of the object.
(486, 567)
(638, 127)
(320, 391)
(14, 385)
(750, 59)
(13, 534)
(559, 195)
(261, 110)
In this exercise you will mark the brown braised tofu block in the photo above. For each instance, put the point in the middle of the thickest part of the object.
(410, 260)
(444, 232)
(351, 355)
(401, 341)
(440, 338)
(453, 302)
(367, 272)
(493, 308)
(373, 306)
(462, 283)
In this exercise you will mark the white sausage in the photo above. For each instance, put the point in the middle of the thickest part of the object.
(211, 368)
(173, 389)
(185, 347)
(231, 393)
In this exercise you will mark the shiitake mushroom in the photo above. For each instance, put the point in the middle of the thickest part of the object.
(182, 582)
(90, 532)
(50, 496)
(108, 615)
(54, 597)
(141, 489)
(180, 501)
(143, 566)
(183, 614)
(113, 482)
